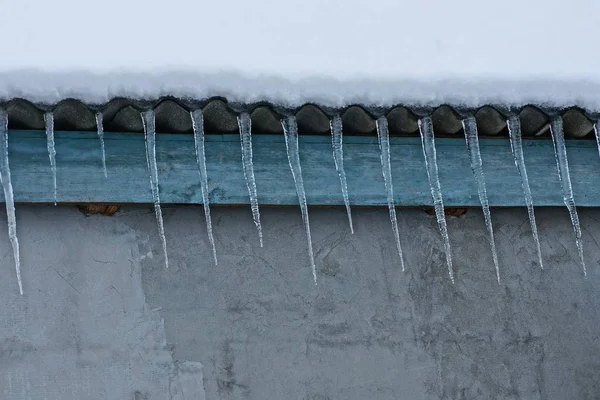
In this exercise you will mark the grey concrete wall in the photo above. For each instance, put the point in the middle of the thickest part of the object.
(102, 318)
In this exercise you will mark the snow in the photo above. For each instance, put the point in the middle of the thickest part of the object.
(337, 52)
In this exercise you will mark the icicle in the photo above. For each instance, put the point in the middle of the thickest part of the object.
(386, 168)
(49, 118)
(562, 164)
(338, 157)
(597, 133)
(245, 125)
(470, 127)
(150, 134)
(198, 125)
(100, 126)
(516, 145)
(429, 152)
(290, 131)
(8, 195)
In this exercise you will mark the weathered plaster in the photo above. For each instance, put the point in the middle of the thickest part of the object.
(103, 318)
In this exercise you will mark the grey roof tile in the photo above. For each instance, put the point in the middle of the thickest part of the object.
(172, 116)
(402, 121)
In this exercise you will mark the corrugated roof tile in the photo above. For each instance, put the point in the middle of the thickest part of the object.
(172, 115)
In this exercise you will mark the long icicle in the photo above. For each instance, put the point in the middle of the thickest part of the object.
(338, 158)
(386, 168)
(245, 126)
(198, 126)
(470, 128)
(49, 119)
(8, 195)
(150, 135)
(562, 165)
(429, 152)
(100, 126)
(597, 134)
(290, 131)
(516, 145)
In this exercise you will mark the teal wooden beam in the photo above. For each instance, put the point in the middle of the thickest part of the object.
(81, 179)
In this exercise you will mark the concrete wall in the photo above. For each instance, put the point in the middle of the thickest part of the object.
(102, 318)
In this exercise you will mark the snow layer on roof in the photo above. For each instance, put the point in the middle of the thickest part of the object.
(333, 52)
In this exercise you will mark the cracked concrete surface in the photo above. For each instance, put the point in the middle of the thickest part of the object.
(103, 318)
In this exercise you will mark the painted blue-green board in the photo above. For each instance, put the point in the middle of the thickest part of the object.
(81, 180)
